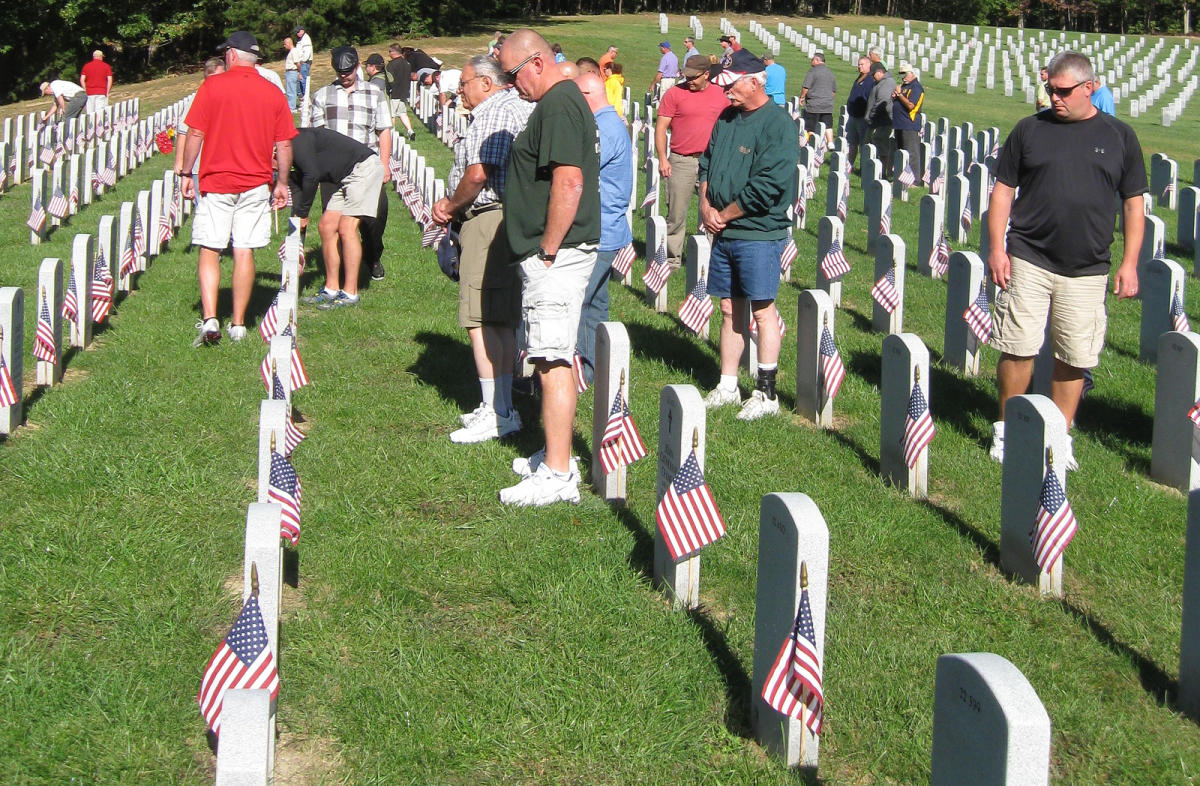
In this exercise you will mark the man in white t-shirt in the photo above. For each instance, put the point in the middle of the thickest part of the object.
(69, 98)
(304, 47)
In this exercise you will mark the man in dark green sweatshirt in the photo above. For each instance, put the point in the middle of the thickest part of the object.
(747, 181)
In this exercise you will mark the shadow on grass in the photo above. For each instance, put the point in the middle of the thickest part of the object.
(865, 364)
(1154, 680)
(960, 399)
(447, 365)
(669, 348)
(641, 556)
(1122, 427)
(989, 549)
(869, 462)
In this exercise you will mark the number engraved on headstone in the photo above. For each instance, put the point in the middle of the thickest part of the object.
(778, 525)
(969, 700)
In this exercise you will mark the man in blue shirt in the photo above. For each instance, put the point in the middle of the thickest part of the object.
(616, 184)
(908, 101)
(776, 79)
(668, 68)
(1102, 99)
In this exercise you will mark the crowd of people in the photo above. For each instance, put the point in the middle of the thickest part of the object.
(539, 191)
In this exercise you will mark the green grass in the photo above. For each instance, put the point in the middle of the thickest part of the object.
(435, 636)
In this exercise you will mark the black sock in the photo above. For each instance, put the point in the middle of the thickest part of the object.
(766, 382)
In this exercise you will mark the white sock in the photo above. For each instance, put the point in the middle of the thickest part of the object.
(504, 393)
(768, 366)
(487, 392)
(352, 298)
(330, 292)
(728, 382)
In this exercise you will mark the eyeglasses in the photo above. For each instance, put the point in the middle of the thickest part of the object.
(1063, 92)
(512, 73)
(464, 82)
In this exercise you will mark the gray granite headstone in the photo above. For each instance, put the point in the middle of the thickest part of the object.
(1185, 232)
(1043, 365)
(1153, 244)
(829, 230)
(929, 233)
(83, 252)
(989, 726)
(1158, 282)
(791, 531)
(1189, 634)
(889, 254)
(243, 753)
(834, 186)
(814, 312)
(611, 375)
(1175, 447)
(961, 348)
(905, 363)
(681, 426)
(12, 343)
(1164, 177)
(272, 422)
(878, 201)
(1032, 424)
(899, 163)
(50, 288)
(958, 193)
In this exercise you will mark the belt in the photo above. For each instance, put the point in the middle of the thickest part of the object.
(688, 155)
(478, 211)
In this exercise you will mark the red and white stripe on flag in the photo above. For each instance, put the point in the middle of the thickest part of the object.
(687, 515)
(1055, 526)
(790, 252)
(794, 681)
(623, 262)
(918, 426)
(578, 374)
(243, 660)
(8, 390)
(621, 444)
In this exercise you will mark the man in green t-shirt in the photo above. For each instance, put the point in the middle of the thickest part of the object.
(552, 220)
(747, 181)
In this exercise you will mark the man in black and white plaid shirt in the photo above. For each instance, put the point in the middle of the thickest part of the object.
(360, 111)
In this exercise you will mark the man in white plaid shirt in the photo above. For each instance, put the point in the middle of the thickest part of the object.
(489, 300)
(360, 111)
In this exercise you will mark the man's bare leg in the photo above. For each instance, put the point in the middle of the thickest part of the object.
(1066, 388)
(558, 412)
(1013, 375)
(208, 271)
(330, 250)
(243, 283)
(352, 254)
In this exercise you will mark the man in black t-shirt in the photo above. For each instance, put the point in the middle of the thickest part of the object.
(1075, 167)
(399, 85)
(552, 221)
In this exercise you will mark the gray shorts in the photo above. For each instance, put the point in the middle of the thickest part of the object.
(552, 301)
(358, 194)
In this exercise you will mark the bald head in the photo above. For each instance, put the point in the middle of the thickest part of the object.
(528, 55)
(525, 42)
(592, 88)
(568, 69)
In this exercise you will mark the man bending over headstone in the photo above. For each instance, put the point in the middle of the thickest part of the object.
(1074, 166)
(747, 183)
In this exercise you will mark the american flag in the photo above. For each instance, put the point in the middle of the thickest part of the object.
(292, 436)
(794, 681)
(966, 216)
(801, 207)
(282, 252)
(1160, 248)
(834, 263)
(778, 319)
(277, 391)
(243, 660)
(73, 199)
(925, 176)
(164, 227)
(102, 288)
(70, 304)
(1167, 189)
(696, 308)
(1055, 525)
(283, 486)
(109, 174)
(37, 219)
(939, 260)
(918, 426)
(884, 291)
(43, 342)
(907, 178)
(978, 315)
(937, 185)
(46, 156)
(299, 376)
(139, 234)
(58, 204)
(621, 444)
(687, 515)
(832, 370)
(790, 252)
(810, 188)
(843, 198)
(657, 271)
(8, 391)
(819, 152)
(623, 262)
(1179, 320)
(432, 235)
(268, 327)
(651, 198)
(128, 256)
(1194, 413)
(578, 373)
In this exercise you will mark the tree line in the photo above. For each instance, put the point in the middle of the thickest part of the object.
(52, 39)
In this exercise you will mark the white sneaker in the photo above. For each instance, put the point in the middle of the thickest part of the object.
(542, 488)
(488, 425)
(757, 406)
(1071, 464)
(720, 397)
(236, 332)
(467, 417)
(997, 451)
(210, 332)
(527, 466)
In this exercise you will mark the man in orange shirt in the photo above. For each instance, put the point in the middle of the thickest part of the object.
(240, 119)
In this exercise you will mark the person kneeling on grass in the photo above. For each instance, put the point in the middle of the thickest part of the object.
(321, 155)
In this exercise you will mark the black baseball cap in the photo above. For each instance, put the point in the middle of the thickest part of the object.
(240, 40)
(375, 60)
(344, 59)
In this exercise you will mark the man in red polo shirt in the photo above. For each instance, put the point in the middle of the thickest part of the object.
(690, 111)
(240, 119)
(96, 77)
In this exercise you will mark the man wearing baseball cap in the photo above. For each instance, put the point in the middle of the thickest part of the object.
(240, 119)
(304, 56)
(668, 68)
(747, 183)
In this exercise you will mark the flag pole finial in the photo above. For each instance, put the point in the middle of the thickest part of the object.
(695, 438)
(826, 319)
(272, 441)
(1050, 457)
(622, 377)
(254, 579)
(916, 373)
(273, 369)
(803, 575)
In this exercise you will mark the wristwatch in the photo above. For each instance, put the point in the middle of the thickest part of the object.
(542, 255)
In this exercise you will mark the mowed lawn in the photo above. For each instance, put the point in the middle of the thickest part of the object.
(434, 636)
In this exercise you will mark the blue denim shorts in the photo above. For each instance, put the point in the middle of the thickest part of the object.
(745, 268)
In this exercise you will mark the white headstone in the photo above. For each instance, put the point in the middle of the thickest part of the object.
(814, 313)
(611, 374)
(1159, 281)
(829, 231)
(889, 254)
(1175, 447)
(905, 363)
(243, 752)
(83, 252)
(656, 236)
(1189, 638)
(961, 348)
(12, 342)
(50, 290)
(681, 428)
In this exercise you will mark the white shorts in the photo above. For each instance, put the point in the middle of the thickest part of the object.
(398, 107)
(552, 300)
(241, 219)
(358, 194)
(96, 103)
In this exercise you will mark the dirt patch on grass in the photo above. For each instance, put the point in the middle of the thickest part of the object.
(303, 759)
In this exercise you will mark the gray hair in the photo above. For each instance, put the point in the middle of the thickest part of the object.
(489, 67)
(1073, 63)
(758, 77)
(243, 56)
(875, 50)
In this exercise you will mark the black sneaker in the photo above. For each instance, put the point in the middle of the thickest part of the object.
(377, 273)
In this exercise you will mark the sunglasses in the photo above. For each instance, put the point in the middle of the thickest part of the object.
(512, 73)
(1063, 92)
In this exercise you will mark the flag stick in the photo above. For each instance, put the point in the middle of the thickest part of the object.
(254, 579)
(803, 725)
